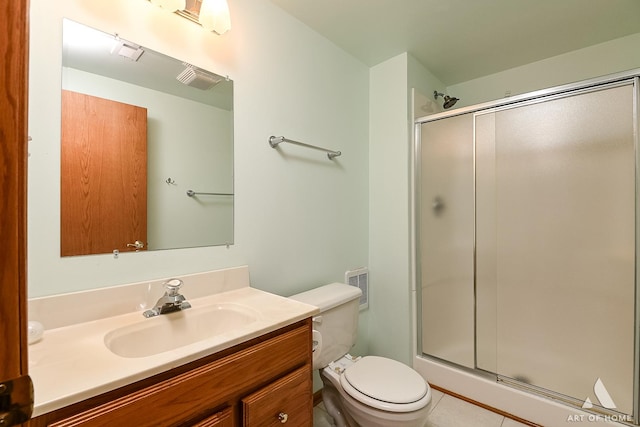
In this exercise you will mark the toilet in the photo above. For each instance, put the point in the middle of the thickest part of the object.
(367, 391)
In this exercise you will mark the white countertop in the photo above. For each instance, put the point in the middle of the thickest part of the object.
(72, 363)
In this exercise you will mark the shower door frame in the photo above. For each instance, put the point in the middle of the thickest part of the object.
(629, 77)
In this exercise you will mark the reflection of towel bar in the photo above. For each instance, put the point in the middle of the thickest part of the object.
(192, 193)
(275, 140)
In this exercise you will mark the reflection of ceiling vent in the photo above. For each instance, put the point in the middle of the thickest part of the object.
(198, 78)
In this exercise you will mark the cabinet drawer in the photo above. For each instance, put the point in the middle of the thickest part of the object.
(219, 419)
(286, 401)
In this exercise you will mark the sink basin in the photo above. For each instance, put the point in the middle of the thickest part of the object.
(170, 331)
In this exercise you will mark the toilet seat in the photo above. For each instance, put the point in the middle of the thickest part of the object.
(385, 384)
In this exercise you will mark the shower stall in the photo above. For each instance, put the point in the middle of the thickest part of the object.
(526, 242)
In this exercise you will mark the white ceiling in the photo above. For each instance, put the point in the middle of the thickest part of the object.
(459, 40)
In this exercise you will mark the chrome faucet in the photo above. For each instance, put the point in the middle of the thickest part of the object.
(171, 300)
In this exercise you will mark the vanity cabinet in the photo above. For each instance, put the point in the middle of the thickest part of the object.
(266, 381)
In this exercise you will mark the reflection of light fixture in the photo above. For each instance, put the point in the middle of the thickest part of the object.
(126, 49)
(213, 15)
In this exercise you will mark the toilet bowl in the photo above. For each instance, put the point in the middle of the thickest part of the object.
(376, 392)
(368, 391)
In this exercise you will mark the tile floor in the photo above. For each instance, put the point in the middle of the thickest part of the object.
(446, 411)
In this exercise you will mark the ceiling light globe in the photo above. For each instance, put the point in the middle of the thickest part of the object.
(214, 16)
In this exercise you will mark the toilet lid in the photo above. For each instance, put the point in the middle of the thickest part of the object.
(384, 380)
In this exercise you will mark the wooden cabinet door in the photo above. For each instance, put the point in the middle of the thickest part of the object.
(103, 190)
(287, 401)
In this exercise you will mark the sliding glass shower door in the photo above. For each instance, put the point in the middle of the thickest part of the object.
(446, 233)
(540, 268)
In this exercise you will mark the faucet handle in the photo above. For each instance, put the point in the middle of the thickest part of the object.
(172, 286)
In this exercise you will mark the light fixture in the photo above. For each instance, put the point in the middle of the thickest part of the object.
(170, 5)
(213, 15)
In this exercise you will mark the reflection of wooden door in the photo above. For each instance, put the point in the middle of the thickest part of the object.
(103, 175)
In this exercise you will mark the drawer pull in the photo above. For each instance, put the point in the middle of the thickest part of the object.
(283, 417)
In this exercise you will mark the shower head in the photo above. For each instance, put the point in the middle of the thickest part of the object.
(448, 100)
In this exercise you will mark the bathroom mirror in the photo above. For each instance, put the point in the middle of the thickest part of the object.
(146, 148)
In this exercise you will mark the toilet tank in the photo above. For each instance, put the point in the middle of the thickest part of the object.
(336, 327)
